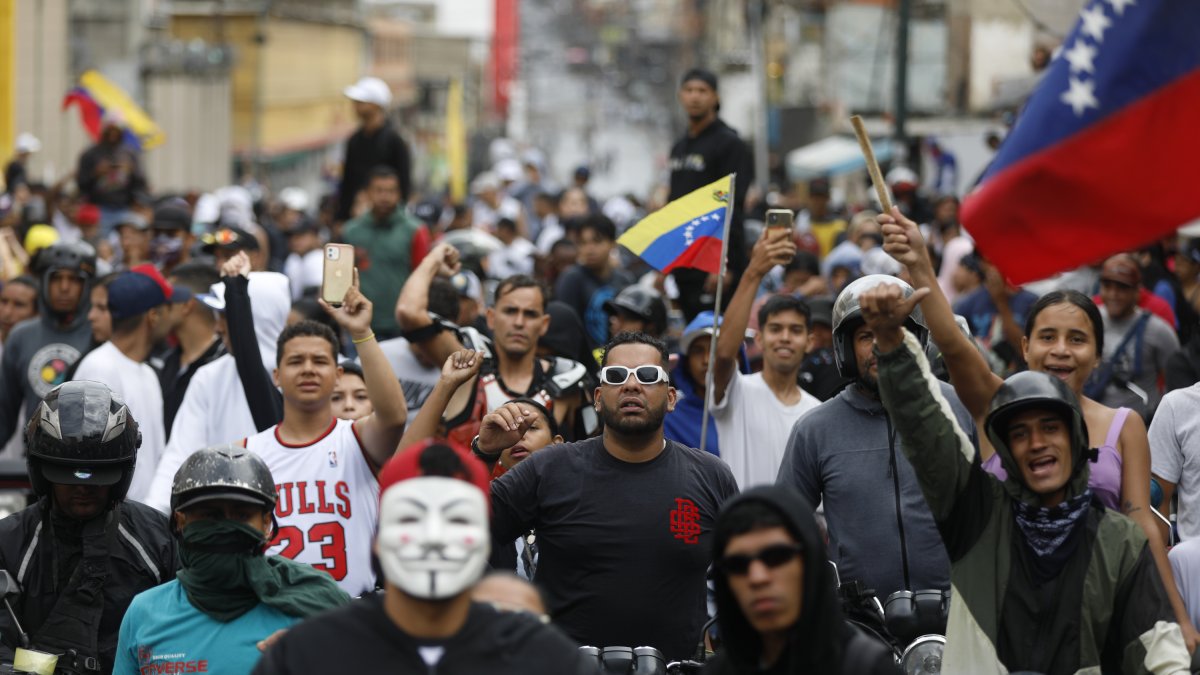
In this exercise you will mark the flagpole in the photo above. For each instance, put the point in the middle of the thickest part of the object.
(712, 348)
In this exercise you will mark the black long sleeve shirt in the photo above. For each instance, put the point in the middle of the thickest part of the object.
(364, 152)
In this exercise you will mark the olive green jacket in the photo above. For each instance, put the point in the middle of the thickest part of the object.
(1104, 611)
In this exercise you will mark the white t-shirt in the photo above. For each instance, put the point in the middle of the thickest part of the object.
(1185, 565)
(214, 411)
(304, 271)
(516, 258)
(416, 379)
(328, 505)
(754, 427)
(1175, 453)
(138, 384)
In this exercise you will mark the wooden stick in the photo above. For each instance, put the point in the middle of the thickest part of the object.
(868, 152)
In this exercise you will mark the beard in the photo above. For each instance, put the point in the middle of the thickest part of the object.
(632, 426)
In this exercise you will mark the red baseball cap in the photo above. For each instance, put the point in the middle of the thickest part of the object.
(435, 457)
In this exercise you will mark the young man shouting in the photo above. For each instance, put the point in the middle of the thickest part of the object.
(1044, 578)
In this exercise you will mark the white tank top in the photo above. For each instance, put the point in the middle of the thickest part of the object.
(328, 505)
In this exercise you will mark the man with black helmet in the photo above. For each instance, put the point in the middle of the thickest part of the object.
(845, 453)
(1045, 579)
(228, 596)
(37, 354)
(81, 552)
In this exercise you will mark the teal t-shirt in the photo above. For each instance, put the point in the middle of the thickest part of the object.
(163, 633)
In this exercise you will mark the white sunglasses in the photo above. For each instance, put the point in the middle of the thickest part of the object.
(619, 375)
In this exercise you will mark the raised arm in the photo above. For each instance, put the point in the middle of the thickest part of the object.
(380, 431)
(462, 366)
(973, 380)
(941, 454)
(768, 252)
(412, 307)
(266, 403)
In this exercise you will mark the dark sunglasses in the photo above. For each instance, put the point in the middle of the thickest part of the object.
(771, 556)
(619, 375)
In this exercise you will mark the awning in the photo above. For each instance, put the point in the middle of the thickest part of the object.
(832, 156)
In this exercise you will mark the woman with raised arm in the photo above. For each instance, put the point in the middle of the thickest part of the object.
(1064, 336)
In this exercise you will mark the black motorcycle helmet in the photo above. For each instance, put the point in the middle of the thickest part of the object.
(644, 303)
(78, 257)
(223, 472)
(847, 317)
(1035, 390)
(82, 434)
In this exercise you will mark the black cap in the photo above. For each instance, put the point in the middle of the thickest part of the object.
(706, 76)
(171, 216)
(822, 310)
(230, 239)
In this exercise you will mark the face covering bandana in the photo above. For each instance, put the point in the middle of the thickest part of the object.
(1046, 528)
(433, 536)
(226, 575)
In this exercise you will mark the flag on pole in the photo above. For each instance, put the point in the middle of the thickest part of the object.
(97, 96)
(1102, 158)
(686, 232)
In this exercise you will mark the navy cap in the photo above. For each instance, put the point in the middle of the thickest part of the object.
(133, 293)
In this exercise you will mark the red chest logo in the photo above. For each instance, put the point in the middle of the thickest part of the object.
(685, 521)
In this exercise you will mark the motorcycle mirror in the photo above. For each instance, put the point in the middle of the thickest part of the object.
(9, 588)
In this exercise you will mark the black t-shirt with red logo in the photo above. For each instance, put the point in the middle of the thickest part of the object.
(623, 548)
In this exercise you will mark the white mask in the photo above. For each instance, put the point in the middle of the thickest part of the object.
(433, 540)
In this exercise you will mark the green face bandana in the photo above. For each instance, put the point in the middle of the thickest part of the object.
(225, 574)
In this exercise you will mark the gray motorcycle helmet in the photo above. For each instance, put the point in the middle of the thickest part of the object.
(223, 472)
(642, 302)
(847, 316)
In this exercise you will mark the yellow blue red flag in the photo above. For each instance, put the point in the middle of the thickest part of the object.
(687, 232)
(97, 96)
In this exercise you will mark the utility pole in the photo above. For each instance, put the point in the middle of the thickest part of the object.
(758, 60)
(904, 17)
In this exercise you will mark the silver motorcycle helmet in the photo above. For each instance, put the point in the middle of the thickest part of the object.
(847, 316)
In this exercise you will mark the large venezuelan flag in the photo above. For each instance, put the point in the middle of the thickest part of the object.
(1103, 157)
(685, 233)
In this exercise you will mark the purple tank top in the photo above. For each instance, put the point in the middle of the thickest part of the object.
(1105, 475)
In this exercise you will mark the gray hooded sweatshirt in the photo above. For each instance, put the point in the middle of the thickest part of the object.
(842, 453)
(37, 355)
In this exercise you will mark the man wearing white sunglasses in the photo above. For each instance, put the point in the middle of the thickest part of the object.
(618, 518)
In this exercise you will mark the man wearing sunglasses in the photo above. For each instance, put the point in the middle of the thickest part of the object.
(776, 594)
(623, 521)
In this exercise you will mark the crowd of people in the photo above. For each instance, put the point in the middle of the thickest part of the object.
(511, 438)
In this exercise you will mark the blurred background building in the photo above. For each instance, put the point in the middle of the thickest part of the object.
(252, 89)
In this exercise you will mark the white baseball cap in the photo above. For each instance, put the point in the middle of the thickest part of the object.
(27, 142)
(370, 90)
(508, 170)
(294, 198)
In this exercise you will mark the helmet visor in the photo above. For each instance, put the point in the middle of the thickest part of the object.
(75, 474)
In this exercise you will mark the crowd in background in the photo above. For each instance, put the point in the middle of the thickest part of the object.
(186, 304)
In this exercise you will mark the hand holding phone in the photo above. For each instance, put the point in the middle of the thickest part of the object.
(337, 274)
(780, 230)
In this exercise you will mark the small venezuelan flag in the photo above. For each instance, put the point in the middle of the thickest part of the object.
(686, 232)
(98, 96)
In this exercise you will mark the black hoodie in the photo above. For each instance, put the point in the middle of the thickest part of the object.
(819, 639)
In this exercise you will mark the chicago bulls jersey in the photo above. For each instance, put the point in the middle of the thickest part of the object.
(328, 505)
